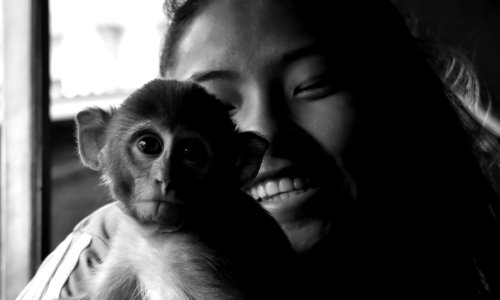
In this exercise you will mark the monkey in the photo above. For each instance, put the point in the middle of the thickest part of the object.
(178, 166)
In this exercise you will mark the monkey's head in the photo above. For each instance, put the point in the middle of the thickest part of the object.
(169, 143)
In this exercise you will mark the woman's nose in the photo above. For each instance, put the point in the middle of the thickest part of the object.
(270, 116)
(263, 119)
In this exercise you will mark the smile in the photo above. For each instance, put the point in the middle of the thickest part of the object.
(278, 189)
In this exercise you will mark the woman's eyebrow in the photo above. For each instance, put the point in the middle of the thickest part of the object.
(204, 76)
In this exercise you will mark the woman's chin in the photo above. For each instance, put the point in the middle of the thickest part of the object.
(296, 213)
(305, 235)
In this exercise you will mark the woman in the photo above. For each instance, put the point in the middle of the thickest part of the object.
(370, 172)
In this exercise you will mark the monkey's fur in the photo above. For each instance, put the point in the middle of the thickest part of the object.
(176, 162)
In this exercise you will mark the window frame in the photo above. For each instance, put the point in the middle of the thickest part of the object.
(24, 204)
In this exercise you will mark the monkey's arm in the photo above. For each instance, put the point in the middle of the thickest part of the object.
(65, 271)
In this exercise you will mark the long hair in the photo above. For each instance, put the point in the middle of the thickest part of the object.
(424, 220)
(466, 93)
(472, 104)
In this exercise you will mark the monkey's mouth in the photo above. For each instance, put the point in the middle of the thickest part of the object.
(167, 214)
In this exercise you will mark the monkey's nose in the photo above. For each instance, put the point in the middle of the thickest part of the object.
(160, 172)
(164, 185)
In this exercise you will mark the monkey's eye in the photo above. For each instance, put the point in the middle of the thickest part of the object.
(194, 151)
(150, 144)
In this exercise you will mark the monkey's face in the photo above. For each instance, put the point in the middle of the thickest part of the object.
(164, 169)
(165, 148)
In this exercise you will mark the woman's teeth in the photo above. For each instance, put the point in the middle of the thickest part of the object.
(271, 188)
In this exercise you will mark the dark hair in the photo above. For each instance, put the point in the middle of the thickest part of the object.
(425, 209)
(464, 89)
(179, 13)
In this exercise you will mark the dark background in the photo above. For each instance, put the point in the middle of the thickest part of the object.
(470, 25)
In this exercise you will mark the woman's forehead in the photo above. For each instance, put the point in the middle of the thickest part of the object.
(238, 32)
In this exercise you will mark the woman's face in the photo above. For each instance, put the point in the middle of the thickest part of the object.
(276, 80)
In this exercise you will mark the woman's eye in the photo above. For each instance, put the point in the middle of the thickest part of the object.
(194, 151)
(315, 89)
(150, 144)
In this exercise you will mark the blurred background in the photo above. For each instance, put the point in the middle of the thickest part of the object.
(100, 50)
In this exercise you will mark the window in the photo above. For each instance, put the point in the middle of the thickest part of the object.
(25, 115)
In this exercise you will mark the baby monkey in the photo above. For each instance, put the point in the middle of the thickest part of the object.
(176, 163)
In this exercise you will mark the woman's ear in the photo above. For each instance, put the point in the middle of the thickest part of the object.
(91, 135)
(251, 149)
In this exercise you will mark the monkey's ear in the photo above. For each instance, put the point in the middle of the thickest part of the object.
(91, 134)
(251, 152)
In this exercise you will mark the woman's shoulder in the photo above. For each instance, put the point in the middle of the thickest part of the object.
(102, 223)
(65, 271)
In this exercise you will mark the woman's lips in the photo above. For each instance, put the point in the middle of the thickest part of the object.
(284, 197)
(275, 189)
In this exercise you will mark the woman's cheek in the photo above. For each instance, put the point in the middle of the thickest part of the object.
(331, 124)
(329, 121)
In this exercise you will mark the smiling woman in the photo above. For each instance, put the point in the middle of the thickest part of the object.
(275, 79)
(372, 168)
(350, 106)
